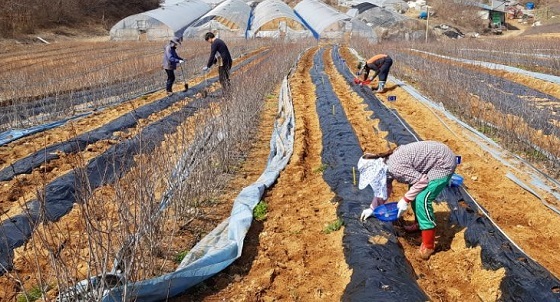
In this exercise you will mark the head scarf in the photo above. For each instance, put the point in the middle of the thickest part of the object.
(373, 172)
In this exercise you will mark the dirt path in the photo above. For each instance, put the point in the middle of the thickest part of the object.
(289, 259)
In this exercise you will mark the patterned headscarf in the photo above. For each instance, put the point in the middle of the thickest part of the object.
(373, 172)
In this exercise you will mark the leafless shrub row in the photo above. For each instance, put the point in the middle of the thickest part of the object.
(533, 54)
(209, 145)
(48, 82)
(481, 100)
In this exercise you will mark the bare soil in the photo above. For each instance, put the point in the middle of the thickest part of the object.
(454, 273)
(289, 256)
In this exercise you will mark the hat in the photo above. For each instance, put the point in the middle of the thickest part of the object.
(176, 40)
(373, 172)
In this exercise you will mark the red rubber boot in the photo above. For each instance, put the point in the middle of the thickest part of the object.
(428, 244)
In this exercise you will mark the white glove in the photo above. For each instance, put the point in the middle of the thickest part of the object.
(205, 69)
(366, 214)
(181, 61)
(402, 205)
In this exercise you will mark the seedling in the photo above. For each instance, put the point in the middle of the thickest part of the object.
(260, 211)
(333, 226)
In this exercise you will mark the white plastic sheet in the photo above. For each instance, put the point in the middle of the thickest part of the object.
(224, 244)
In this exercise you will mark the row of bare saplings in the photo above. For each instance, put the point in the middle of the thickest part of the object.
(49, 82)
(505, 115)
(138, 227)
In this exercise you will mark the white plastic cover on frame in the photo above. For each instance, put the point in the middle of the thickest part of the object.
(163, 22)
(213, 3)
(393, 5)
(323, 19)
(230, 17)
(270, 10)
(361, 29)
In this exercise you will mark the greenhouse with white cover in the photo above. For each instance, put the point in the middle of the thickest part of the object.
(327, 22)
(275, 19)
(164, 22)
(323, 20)
(229, 19)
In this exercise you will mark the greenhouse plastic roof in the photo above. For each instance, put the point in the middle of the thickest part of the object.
(180, 15)
(318, 15)
(236, 11)
(269, 10)
(385, 3)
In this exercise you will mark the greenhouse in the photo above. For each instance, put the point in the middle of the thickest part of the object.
(229, 19)
(323, 20)
(274, 18)
(166, 21)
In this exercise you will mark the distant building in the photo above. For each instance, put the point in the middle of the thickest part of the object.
(495, 13)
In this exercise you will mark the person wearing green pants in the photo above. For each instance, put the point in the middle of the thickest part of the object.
(426, 166)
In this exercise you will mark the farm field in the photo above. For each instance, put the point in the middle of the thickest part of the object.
(115, 165)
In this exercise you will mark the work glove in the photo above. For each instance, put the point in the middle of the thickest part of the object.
(402, 205)
(366, 214)
(181, 61)
(205, 69)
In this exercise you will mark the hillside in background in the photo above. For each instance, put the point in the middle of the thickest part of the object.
(24, 17)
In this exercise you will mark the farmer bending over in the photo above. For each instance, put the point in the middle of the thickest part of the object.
(380, 64)
(426, 166)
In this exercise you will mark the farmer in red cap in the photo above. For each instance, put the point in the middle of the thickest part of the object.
(426, 166)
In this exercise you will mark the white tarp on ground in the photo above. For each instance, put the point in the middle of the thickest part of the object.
(235, 11)
(224, 244)
(164, 22)
(270, 10)
(323, 19)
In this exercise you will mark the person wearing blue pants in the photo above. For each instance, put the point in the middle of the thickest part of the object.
(170, 61)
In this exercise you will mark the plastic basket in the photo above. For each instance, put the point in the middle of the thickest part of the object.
(456, 180)
(386, 212)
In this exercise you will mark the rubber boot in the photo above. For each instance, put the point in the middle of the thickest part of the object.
(428, 244)
(381, 86)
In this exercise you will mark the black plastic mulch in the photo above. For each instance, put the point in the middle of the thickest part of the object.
(61, 193)
(79, 143)
(525, 279)
(380, 271)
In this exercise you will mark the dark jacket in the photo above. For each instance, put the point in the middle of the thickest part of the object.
(218, 46)
(170, 57)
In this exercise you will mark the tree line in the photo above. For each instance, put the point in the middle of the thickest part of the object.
(18, 17)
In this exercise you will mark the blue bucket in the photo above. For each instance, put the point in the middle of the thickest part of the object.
(456, 180)
(386, 212)
(530, 5)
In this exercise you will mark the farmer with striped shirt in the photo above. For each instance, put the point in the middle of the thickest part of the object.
(426, 166)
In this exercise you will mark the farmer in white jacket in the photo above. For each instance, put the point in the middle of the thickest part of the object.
(426, 166)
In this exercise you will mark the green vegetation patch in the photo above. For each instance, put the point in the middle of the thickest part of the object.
(333, 226)
(259, 212)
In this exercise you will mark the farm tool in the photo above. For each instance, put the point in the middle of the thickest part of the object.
(361, 82)
(184, 79)
(204, 92)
